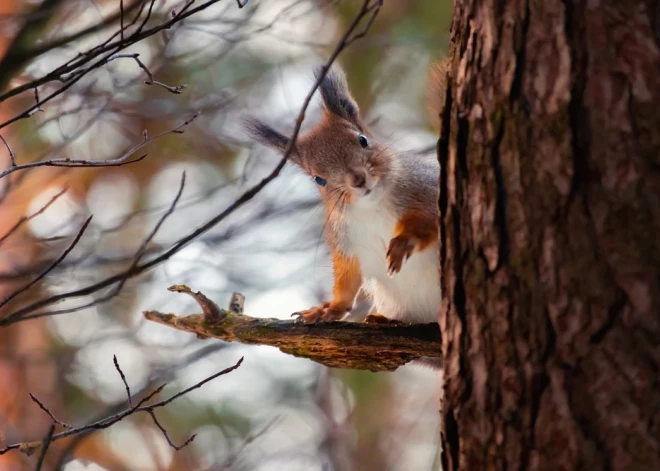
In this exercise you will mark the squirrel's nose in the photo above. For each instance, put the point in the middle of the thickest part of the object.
(358, 179)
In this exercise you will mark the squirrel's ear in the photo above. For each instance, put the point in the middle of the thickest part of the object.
(264, 134)
(336, 96)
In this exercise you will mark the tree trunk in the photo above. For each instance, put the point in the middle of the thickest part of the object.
(550, 228)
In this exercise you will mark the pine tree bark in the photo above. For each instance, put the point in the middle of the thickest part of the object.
(550, 228)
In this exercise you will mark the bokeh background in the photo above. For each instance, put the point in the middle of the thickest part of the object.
(276, 411)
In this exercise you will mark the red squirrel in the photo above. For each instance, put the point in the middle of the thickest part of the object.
(381, 208)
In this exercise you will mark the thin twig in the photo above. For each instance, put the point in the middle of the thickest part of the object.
(151, 412)
(162, 372)
(28, 54)
(167, 437)
(12, 159)
(123, 379)
(249, 440)
(192, 388)
(51, 266)
(150, 81)
(143, 246)
(136, 258)
(50, 414)
(75, 68)
(44, 448)
(30, 447)
(23, 219)
(119, 161)
(121, 19)
(36, 101)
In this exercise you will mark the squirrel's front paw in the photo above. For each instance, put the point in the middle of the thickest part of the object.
(322, 313)
(401, 247)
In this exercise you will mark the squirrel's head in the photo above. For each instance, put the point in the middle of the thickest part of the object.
(339, 152)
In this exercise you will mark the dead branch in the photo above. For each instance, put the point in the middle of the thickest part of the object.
(335, 344)
(158, 377)
(50, 268)
(150, 76)
(119, 161)
(44, 447)
(74, 70)
(18, 54)
(31, 447)
(117, 289)
(23, 219)
(55, 420)
(12, 158)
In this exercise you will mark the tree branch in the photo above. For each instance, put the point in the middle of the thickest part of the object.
(335, 344)
(30, 447)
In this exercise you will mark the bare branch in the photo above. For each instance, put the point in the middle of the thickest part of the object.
(50, 414)
(18, 58)
(96, 57)
(143, 246)
(123, 379)
(136, 259)
(23, 219)
(248, 440)
(119, 161)
(51, 266)
(33, 25)
(191, 388)
(335, 344)
(151, 412)
(150, 81)
(12, 159)
(162, 372)
(44, 448)
(265, 215)
(121, 19)
(36, 101)
(167, 437)
(31, 447)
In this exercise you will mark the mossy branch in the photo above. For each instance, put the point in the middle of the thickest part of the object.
(374, 347)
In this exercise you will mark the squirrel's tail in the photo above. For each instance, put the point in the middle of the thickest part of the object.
(436, 89)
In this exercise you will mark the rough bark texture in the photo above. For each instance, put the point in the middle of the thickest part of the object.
(550, 227)
(335, 344)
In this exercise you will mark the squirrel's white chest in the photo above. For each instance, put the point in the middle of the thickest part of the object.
(413, 294)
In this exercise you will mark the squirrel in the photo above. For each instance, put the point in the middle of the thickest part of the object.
(381, 208)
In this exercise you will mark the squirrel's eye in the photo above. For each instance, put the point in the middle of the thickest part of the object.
(363, 141)
(320, 181)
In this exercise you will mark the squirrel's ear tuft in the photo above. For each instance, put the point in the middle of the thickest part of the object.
(336, 96)
(264, 134)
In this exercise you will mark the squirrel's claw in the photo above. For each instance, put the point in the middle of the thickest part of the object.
(322, 313)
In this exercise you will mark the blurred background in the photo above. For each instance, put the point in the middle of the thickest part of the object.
(276, 411)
